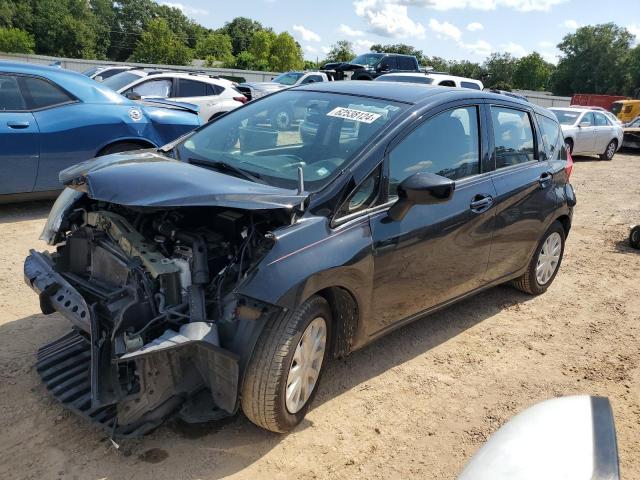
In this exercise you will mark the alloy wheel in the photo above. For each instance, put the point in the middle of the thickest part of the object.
(306, 365)
(611, 150)
(548, 258)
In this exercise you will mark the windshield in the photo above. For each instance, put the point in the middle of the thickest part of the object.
(289, 78)
(121, 80)
(368, 59)
(567, 117)
(326, 131)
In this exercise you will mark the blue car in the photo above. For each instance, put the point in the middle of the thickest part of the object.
(51, 118)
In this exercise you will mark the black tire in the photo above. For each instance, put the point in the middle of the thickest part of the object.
(282, 119)
(568, 144)
(528, 282)
(610, 151)
(120, 147)
(634, 236)
(264, 388)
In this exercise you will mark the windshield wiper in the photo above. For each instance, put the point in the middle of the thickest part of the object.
(220, 165)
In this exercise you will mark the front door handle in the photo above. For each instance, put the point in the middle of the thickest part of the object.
(481, 203)
(545, 179)
(17, 124)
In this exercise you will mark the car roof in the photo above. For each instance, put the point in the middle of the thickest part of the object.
(78, 85)
(412, 93)
(175, 74)
(573, 109)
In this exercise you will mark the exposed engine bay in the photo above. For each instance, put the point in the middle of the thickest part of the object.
(151, 295)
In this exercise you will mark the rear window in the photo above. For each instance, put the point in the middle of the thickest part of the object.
(566, 117)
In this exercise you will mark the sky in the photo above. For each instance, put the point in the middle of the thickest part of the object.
(453, 29)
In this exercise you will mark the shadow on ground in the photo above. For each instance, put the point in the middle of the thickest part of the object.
(234, 443)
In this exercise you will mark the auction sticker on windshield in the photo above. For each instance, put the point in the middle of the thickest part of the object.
(351, 114)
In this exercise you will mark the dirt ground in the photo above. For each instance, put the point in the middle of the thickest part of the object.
(416, 404)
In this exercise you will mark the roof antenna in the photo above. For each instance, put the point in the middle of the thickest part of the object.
(301, 186)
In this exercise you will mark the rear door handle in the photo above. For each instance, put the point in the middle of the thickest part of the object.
(545, 179)
(481, 203)
(17, 124)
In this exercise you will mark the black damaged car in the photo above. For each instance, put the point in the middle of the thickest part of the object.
(224, 270)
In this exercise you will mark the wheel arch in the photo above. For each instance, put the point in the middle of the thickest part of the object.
(345, 315)
(565, 221)
(143, 142)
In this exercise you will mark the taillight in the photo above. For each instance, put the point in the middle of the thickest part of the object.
(241, 99)
(569, 167)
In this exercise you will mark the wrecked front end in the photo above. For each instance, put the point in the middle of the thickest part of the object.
(158, 327)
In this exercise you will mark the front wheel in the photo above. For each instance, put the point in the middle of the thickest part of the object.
(285, 368)
(634, 236)
(545, 262)
(610, 151)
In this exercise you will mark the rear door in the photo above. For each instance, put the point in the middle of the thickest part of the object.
(604, 132)
(205, 95)
(523, 181)
(585, 135)
(19, 139)
(436, 252)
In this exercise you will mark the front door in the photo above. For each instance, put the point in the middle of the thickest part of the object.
(436, 252)
(19, 137)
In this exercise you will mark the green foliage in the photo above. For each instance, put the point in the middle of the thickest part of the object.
(594, 61)
(158, 44)
(341, 51)
(261, 46)
(241, 31)
(532, 72)
(285, 54)
(499, 68)
(465, 68)
(14, 40)
(439, 64)
(215, 48)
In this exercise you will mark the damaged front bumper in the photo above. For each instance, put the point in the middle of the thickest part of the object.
(184, 373)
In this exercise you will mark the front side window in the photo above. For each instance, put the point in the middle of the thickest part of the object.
(368, 59)
(158, 88)
(389, 63)
(513, 136)
(42, 94)
(333, 128)
(446, 145)
(10, 96)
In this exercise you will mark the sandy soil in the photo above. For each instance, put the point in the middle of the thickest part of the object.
(416, 404)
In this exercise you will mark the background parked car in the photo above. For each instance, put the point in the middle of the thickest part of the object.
(369, 66)
(213, 95)
(101, 73)
(51, 118)
(589, 132)
(253, 90)
(442, 79)
(631, 137)
(626, 110)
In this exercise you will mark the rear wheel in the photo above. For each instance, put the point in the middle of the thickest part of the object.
(634, 236)
(285, 368)
(545, 262)
(120, 147)
(610, 151)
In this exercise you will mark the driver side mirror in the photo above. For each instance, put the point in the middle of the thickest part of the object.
(98, 78)
(133, 96)
(421, 188)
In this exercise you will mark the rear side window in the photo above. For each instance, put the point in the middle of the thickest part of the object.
(551, 135)
(192, 88)
(472, 85)
(446, 145)
(40, 93)
(587, 120)
(447, 83)
(600, 120)
(10, 96)
(513, 136)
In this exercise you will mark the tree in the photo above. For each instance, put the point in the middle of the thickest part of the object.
(285, 54)
(241, 31)
(215, 47)
(467, 69)
(532, 72)
(593, 61)
(341, 51)
(158, 44)
(500, 68)
(439, 64)
(14, 40)
(401, 48)
(261, 47)
(633, 80)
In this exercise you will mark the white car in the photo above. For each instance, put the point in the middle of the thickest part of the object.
(253, 90)
(589, 132)
(213, 95)
(102, 72)
(441, 79)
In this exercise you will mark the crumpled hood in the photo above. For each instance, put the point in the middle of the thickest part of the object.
(147, 178)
